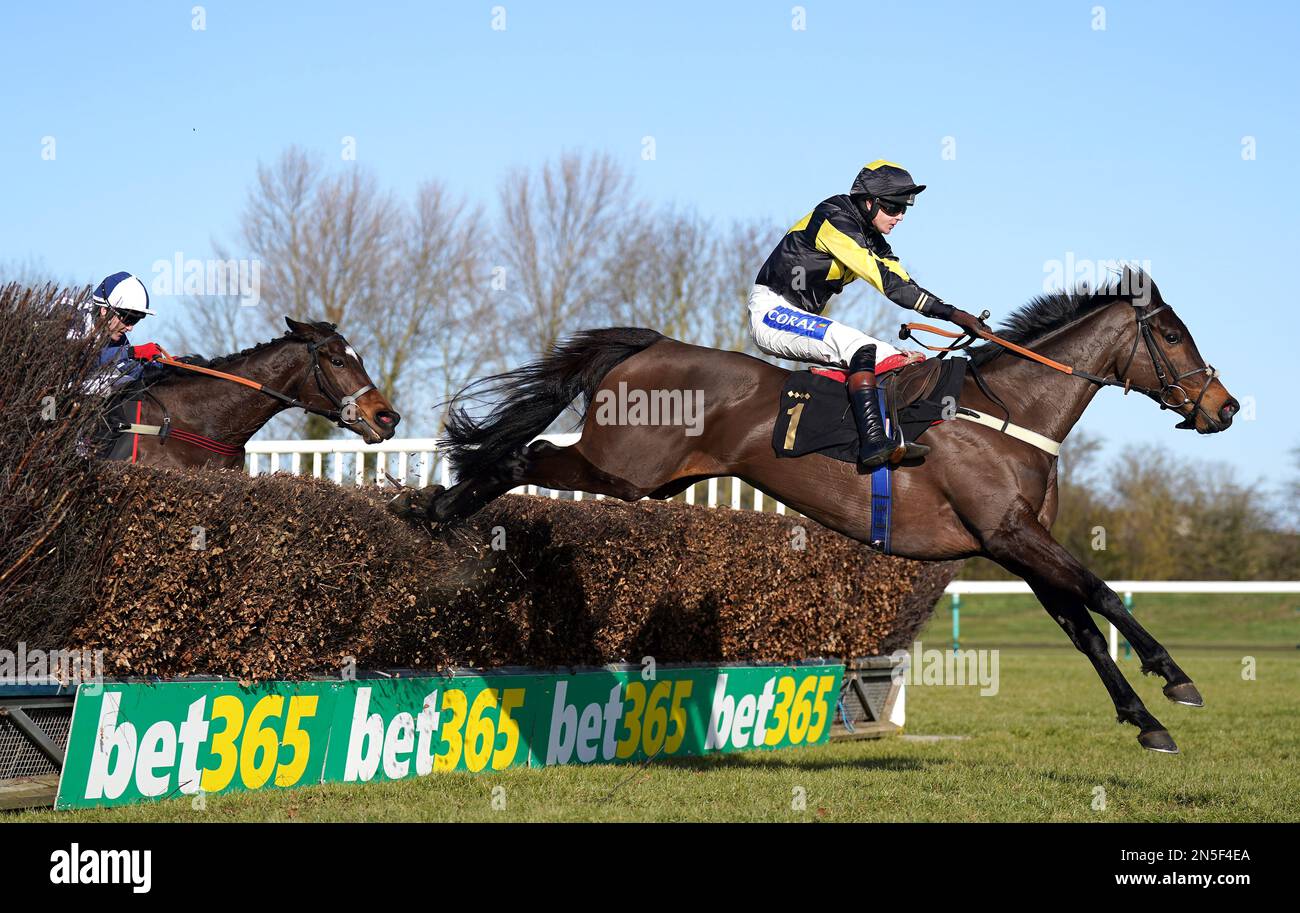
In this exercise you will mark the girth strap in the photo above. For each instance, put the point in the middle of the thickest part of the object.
(1042, 442)
(180, 434)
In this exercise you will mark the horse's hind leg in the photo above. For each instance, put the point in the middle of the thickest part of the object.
(1061, 583)
(539, 463)
(568, 469)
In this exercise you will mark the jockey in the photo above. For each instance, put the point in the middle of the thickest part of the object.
(839, 241)
(118, 303)
(123, 301)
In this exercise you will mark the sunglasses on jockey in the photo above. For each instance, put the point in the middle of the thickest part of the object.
(130, 318)
(891, 207)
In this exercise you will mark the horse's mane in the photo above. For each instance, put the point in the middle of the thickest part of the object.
(1051, 311)
(168, 371)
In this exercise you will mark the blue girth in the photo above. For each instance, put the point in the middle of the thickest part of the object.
(881, 493)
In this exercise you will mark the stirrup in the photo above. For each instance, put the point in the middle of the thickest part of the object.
(888, 453)
(892, 453)
(911, 451)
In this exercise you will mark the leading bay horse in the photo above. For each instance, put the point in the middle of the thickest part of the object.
(205, 420)
(978, 492)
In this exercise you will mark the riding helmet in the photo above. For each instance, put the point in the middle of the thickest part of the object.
(887, 181)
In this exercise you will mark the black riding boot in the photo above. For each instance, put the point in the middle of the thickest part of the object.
(875, 448)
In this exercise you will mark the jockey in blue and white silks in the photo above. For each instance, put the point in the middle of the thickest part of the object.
(121, 301)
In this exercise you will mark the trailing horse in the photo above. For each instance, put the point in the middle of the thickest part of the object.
(202, 413)
(980, 492)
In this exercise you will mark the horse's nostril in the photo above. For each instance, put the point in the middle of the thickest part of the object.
(389, 419)
(1228, 410)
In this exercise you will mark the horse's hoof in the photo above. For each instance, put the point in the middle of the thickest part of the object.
(1158, 740)
(1184, 693)
(400, 506)
(415, 504)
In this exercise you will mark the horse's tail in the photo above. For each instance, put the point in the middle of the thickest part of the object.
(529, 398)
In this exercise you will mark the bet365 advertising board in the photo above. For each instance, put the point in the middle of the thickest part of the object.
(133, 742)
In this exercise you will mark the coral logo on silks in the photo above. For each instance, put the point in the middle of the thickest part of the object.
(800, 322)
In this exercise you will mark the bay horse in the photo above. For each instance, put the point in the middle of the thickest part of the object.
(206, 420)
(979, 492)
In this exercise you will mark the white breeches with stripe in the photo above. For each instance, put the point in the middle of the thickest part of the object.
(782, 330)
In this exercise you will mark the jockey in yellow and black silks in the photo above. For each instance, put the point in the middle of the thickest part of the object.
(843, 239)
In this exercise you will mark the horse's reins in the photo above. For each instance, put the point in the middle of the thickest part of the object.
(338, 415)
(1160, 361)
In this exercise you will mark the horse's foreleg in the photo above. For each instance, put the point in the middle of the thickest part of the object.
(1088, 640)
(1024, 547)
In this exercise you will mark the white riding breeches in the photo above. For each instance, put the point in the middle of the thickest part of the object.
(782, 330)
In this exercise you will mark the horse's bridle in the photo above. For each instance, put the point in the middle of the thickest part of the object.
(1171, 394)
(339, 414)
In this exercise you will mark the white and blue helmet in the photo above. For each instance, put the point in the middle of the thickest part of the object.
(123, 292)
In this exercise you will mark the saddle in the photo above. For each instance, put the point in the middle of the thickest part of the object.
(813, 415)
(903, 386)
(109, 441)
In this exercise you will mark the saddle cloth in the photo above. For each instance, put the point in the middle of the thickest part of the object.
(814, 417)
(814, 414)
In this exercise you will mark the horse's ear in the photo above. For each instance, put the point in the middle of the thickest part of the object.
(300, 329)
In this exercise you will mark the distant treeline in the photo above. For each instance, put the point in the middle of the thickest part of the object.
(1147, 515)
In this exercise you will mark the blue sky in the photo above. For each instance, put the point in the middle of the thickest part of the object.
(1070, 141)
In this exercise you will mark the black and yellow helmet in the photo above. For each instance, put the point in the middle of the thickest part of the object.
(886, 181)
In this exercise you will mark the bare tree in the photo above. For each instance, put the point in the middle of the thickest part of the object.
(663, 280)
(738, 253)
(399, 281)
(559, 241)
(449, 303)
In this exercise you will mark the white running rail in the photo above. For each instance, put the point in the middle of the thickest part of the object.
(414, 461)
(959, 588)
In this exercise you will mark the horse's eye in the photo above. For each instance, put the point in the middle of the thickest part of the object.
(1172, 338)
(336, 362)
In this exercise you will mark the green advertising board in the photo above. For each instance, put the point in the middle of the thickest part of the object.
(133, 742)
